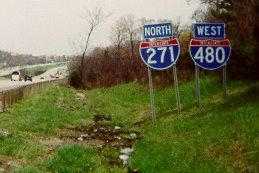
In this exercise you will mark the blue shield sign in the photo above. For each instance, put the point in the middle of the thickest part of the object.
(210, 54)
(160, 54)
(209, 31)
(158, 30)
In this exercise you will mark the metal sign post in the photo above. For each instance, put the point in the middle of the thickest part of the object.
(209, 50)
(160, 55)
(152, 99)
(224, 80)
(177, 95)
(197, 85)
(151, 94)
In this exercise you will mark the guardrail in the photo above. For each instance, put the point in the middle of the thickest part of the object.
(9, 97)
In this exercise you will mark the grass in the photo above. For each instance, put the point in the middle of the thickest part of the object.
(72, 159)
(2, 78)
(221, 136)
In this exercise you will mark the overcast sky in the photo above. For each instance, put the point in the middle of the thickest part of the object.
(52, 26)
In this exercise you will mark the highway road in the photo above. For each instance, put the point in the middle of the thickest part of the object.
(52, 74)
(9, 70)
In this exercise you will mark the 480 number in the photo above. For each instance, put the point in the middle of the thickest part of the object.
(210, 54)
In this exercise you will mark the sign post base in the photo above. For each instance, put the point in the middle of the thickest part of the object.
(197, 86)
(151, 92)
(177, 95)
(224, 80)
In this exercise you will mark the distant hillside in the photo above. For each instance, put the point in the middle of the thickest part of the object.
(8, 59)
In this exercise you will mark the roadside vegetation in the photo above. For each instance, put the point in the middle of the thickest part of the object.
(10, 59)
(63, 129)
(2, 78)
(35, 71)
(41, 133)
(120, 62)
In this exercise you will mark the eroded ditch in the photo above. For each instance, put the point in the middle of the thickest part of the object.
(105, 136)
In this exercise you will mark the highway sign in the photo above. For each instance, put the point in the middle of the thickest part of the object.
(160, 54)
(209, 31)
(210, 54)
(158, 30)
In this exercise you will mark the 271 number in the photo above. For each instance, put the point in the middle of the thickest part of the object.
(163, 50)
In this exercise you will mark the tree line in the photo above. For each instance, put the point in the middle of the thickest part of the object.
(121, 63)
(242, 26)
(9, 59)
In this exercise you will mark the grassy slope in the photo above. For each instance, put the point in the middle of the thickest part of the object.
(221, 136)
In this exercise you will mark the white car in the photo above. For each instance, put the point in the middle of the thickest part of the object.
(16, 76)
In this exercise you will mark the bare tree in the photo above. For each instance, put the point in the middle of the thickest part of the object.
(94, 18)
(176, 27)
(129, 24)
(118, 35)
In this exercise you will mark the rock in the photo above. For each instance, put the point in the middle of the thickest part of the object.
(84, 135)
(117, 137)
(99, 146)
(133, 136)
(80, 138)
(80, 96)
(124, 158)
(4, 133)
(11, 165)
(133, 170)
(117, 127)
(126, 151)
